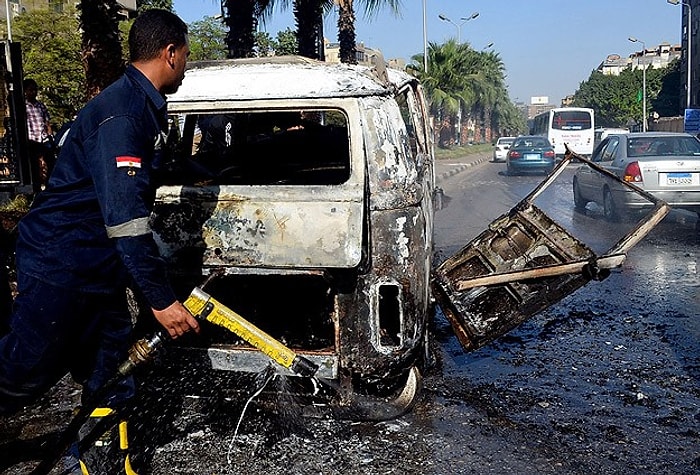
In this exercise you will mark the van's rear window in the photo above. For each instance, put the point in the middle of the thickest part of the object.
(286, 147)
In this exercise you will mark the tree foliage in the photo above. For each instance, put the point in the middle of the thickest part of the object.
(50, 44)
(618, 99)
(143, 5)
(285, 43)
(207, 39)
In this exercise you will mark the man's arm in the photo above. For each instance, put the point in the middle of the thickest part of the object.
(121, 169)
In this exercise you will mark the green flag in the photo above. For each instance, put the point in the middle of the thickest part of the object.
(640, 95)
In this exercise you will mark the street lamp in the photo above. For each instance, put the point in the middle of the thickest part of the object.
(689, 42)
(644, 82)
(459, 26)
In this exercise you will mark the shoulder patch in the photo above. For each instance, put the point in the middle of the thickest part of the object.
(127, 161)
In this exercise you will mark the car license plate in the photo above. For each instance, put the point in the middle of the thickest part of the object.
(532, 156)
(682, 179)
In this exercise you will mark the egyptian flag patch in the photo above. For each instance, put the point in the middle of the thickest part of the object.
(126, 161)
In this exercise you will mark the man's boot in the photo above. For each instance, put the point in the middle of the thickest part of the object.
(104, 444)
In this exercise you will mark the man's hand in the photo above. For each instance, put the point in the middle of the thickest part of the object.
(176, 320)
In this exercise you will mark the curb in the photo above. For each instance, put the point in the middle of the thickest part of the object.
(460, 168)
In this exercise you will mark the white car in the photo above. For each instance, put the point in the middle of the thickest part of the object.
(501, 149)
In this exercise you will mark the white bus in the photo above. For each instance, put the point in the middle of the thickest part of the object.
(573, 126)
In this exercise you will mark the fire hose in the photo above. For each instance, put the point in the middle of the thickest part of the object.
(203, 307)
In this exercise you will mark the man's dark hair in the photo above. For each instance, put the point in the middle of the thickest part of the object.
(29, 82)
(152, 31)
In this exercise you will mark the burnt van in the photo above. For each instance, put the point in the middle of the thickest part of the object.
(302, 193)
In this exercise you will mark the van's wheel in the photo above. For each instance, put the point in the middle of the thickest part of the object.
(609, 210)
(359, 407)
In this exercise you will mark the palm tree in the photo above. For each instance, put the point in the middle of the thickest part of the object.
(308, 16)
(346, 32)
(460, 82)
(241, 18)
(445, 86)
(346, 24)
(101, 50)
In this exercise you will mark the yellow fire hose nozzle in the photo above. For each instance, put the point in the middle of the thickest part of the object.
(201, 305)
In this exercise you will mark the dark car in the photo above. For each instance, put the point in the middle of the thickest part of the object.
(665, 164)
(530, 153)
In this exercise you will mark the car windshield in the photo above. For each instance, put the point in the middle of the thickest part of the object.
(662, 146)
(505, 141)
(532, 142)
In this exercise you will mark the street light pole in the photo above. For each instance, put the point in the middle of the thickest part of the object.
(689, 50)
(459, 41)
(644, 81)
(425, 39)
(9, 26)
(459, 26)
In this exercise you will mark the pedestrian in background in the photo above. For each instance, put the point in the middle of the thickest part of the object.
(39, 134)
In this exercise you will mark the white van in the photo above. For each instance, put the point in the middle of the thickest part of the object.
(602, 132)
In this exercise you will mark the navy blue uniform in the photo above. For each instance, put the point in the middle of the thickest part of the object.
(86, 235)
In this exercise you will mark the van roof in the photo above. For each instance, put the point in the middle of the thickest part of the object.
(283, 77)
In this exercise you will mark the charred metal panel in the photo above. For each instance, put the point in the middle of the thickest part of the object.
(290, 229)
(523, 263)
(245, 80)
(252, 361)
(400, 256)
(395, 181)
(524, 239)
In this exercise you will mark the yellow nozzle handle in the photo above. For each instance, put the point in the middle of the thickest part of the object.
(202, 305)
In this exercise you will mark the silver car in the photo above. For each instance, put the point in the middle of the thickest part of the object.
(665, 164)
(501, 148)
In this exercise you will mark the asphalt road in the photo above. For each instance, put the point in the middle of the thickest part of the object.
(606, 381)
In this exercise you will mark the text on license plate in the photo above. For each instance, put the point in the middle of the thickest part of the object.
(532, 156)
(682, 179)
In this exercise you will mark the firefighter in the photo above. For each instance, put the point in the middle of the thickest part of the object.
(87, 237)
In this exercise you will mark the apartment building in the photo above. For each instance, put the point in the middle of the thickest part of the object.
(656, 57)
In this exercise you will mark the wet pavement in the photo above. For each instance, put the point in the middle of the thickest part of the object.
(606, 381)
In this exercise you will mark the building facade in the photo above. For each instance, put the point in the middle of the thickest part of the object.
(656, 57)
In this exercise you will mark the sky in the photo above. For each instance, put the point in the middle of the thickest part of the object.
(548, 47)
